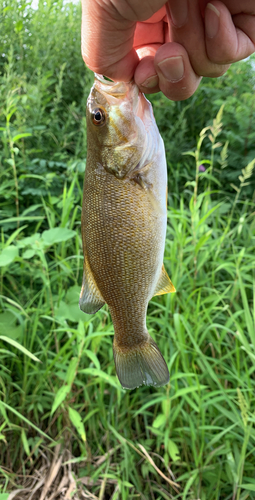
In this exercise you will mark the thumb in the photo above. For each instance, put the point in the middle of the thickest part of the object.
(107, 42)
(108, 28)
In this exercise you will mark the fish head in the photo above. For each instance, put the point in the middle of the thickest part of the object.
(120, 126)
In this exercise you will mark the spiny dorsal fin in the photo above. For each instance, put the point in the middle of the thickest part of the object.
(164, 284)
(91, 299)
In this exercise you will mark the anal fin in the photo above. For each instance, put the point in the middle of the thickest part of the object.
(91, 299)
(164, 284)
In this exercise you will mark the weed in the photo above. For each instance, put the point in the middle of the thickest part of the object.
(193, 438)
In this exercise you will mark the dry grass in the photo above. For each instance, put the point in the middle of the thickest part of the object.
(54, 476)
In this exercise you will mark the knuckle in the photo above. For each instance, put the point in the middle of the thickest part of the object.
(211, 68)
(216, 71)
(180, 94)
(96, 67)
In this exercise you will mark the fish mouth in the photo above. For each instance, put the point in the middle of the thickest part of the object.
(112, 89)
(114, 92)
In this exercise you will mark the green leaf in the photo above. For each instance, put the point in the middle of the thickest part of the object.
(8, 325)
(202, 241)
(127, 484)
(77, 422)
(10, 161)
(73, 294)
(60, 397)
(19, 136)
(20, 218)
(173, 450)
(90, 414)
(8, 255)
(4, 496)
(109, 379)
(248, 317)
(208, 214)
(3, 411)
(19, 26)
(20, 347)
(14, 235)
(57, 235)
(30, 424)
(248, 486)
(187, 390)
(159, 420)
(11, 331)
(28, 254)
(70, 311)
(152, 402)
(29, 240)
(25, 442)
(189, 153)
(93, 358)
(190, 183)
(72, 368)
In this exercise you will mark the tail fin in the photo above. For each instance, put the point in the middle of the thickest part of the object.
(143, 364)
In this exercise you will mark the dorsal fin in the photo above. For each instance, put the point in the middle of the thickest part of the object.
(164, 284)
(91, 299)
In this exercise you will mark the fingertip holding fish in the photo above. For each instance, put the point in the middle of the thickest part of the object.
(124, 225)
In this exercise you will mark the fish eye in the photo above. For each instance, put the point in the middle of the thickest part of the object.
(98, 116)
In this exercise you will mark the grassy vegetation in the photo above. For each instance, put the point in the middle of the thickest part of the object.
(195, 438)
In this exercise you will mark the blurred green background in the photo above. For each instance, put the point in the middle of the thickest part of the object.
(199, 430)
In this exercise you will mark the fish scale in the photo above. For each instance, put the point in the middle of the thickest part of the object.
(124, 227)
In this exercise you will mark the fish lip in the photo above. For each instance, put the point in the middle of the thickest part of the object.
(111, 83)
(102, 79)
(113, 92)
(111, 87)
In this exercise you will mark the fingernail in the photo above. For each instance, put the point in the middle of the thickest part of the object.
(172, 68)
(212, 20)
(179, 12)
(150, 82)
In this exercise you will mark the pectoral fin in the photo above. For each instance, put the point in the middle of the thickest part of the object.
(91, 299)
(140, 179)
(164, 284)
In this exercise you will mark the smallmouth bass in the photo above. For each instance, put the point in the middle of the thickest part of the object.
(124, 225)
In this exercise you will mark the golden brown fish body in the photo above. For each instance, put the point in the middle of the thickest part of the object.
(124, 225)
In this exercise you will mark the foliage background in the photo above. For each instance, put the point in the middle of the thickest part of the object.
(199, 430)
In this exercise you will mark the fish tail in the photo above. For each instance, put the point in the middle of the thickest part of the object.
(143, 364)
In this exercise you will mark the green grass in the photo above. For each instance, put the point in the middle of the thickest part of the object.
(194, 438)
(200, 426)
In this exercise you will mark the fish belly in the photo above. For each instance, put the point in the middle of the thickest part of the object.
(124, 240)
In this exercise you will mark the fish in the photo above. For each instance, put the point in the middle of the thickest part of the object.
(123, 224)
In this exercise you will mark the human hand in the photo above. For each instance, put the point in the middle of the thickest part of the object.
(166, 46)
